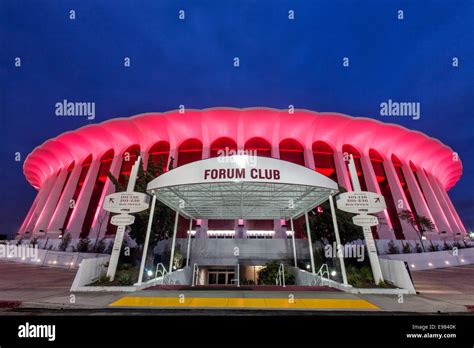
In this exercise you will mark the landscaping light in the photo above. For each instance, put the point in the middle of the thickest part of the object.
(446, 262)
(462, 260)
(149, 273)
(333, 273)
(412, 265)
(308, 266)
(430, 264)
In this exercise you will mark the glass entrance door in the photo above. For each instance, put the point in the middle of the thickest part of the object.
(221, 276)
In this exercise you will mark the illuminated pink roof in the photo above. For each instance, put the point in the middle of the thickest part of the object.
(243, 124)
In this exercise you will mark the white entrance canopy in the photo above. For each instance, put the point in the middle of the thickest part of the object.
(242, 187)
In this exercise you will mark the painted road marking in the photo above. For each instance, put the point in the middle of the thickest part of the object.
(224, 302)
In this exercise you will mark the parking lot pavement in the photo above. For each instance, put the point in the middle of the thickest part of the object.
(452, 284)
(44, 288)
(23, 282)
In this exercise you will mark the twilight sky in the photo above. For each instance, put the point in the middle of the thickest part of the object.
(190, 62)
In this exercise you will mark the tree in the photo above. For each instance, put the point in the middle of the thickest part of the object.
(419, 223)
(163, 216)
(321, 225)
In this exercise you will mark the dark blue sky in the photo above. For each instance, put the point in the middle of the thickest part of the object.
(190, 62)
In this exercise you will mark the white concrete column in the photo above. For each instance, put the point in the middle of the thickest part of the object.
(57, 220)
(276, 222)
(309, 159)
(432, 201)
(341, 171)
(453, 209)
(52, 202)
(82, 204)
(44, 194)
(442, 202)
(101, 217)
(21, 231)
(416, 194)
(400, 200)
(385, 228)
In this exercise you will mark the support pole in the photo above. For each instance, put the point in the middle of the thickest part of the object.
(369, 238)
(117, 246)
(293, 241)
(313, 268)
(147, 240)
(338, 240)
(189, 242)
(173, 244)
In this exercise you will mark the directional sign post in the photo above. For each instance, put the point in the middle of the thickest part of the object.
(361, 202)
(122, 220)
(124, 202)
(364, 220)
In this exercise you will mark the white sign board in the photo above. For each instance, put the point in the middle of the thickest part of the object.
(241, 168)
(361, 202)
(122, 220)
(126, 202)
(365, 220)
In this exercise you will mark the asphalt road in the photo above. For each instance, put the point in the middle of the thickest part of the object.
(42, 290)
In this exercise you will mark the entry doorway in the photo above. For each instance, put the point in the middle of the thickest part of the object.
(221, 276)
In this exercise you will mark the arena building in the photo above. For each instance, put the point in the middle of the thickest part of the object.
(411, 170)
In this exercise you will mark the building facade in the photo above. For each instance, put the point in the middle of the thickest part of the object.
(411, 170)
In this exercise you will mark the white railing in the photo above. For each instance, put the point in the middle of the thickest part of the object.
(160, 271)
(319, 277)
(237, 279)
(195, 279)
(280, 278)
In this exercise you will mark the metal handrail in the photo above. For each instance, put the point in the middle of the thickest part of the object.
(161, 270)
(323, 270)
(195, 275)
(280, 278)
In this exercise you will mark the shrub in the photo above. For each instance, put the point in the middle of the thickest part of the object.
(34, 242)
(392, 248)
(65, 242)
(418, 248)
(446, 246)
(433, 247)
(268, 274)
(99, 247)
(247, 282)
(83, 245)
(124, 278)
(360, 277)
(406, 248)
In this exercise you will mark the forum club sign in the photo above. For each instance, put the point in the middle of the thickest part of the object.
(242, 168)
(242, 173)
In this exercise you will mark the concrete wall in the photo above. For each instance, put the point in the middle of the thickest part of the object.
(89, 271)
(383, 244)
(49, 258)
(395, 272)
(437, 259)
